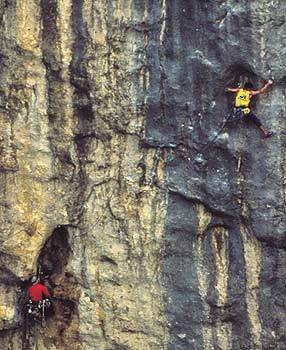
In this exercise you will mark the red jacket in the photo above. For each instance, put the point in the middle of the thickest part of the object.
(38, 292)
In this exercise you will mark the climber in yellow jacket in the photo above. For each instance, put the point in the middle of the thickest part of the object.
(242, 104)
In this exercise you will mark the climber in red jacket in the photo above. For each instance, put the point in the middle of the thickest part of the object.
(38, 291)
(39, 302)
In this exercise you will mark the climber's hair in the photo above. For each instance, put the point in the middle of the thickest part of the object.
(248, 86)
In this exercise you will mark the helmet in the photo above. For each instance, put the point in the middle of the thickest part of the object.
(34, 279)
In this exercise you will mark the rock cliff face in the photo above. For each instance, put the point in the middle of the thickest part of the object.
(156, 231)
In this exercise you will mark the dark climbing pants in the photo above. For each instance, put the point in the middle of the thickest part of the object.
(251, 117)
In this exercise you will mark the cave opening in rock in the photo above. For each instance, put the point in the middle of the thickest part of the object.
(55, 254)
(52, 268)
(239, 75)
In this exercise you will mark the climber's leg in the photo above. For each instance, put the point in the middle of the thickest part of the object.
(253, 118)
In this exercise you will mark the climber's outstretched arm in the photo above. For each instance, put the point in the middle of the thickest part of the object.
(263, 89)
(232, 89)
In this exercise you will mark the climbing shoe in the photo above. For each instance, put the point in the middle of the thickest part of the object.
(268, 134)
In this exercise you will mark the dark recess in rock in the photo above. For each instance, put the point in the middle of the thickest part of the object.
(52, 263)
(55, 253)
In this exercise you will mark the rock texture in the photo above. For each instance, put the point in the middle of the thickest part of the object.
(157, 231)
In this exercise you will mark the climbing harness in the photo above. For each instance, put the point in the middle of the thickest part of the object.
(36, 311)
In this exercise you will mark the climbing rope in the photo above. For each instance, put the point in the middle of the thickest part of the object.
(235, 112)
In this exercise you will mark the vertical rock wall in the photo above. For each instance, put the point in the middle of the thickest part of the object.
(225, 235)
(155, 236)
(72, 120)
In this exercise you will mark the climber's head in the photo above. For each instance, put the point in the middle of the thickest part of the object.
(248, 86)
(34, 279)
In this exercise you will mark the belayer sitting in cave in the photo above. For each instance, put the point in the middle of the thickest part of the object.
(39, 300)
(242, 104)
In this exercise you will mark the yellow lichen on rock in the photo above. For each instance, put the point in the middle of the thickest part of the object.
(224, 335)
(6, 313)
(219, 237)
(203, 275)
(204, 218)
(123, 9)
(28, 25)
(8, 297)
(206, 329)
(252, 256)
(32, 229)
(130, 215)
(65, 33)
(220, 245)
